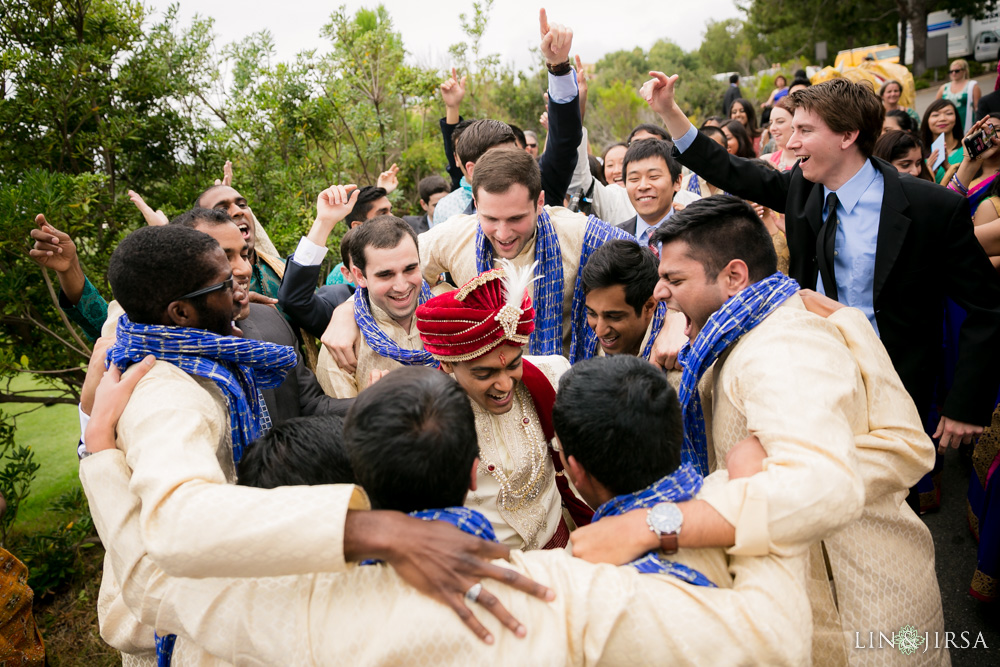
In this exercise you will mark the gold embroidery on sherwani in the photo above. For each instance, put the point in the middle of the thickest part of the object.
(859, 426)
(515, 455)
(339, 383)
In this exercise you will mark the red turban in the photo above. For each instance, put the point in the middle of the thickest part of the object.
(491, 309)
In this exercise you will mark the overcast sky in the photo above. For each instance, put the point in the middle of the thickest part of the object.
(428, 30)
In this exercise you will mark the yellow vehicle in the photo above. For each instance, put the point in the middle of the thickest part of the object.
(878, 52)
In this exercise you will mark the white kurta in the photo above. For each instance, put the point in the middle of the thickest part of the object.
(844, 445)
(369, 616)
(450, 247)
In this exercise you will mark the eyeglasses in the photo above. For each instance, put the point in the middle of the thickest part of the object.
(532, 145)
(225, 284)
(955, 71)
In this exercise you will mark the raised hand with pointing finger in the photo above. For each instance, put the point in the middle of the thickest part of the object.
(557, 40)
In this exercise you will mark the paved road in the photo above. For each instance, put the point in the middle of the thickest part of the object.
(955, 549)
(927, 95)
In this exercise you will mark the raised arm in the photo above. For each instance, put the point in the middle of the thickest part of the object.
(452, 93)
(565, 120)
(706, 158)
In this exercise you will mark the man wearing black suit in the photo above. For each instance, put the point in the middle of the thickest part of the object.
(652, 178)
(891, 245)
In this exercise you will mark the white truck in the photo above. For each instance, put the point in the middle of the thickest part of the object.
(975, 38)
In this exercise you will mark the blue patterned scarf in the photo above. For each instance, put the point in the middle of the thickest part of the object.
(466, 520)
(239, 367)
(590, 343)
(378, 340)
(548, 298)
(741, 313)
(680, 485)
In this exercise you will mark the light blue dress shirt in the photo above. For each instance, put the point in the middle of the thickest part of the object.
(859, 205)
(643, 231)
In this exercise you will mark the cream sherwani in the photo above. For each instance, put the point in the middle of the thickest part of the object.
(339, 383)
(450, 247)
(844, 445)
(369, 616)
(185, 512)
(516, 481)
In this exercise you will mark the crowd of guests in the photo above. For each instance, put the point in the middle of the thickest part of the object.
(686, 399)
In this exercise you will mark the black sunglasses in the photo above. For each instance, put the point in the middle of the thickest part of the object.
(955, 71)
(225, 284)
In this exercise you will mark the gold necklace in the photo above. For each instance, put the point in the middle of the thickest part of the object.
(525, 482)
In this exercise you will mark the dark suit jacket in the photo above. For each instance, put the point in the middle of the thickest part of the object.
(420, 223)
(309, 308)
(300, 394)
(629, 225)
(556, 163)
(926, 250)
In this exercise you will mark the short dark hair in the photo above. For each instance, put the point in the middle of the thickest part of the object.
(712, 130)
(648, 127)
(384, 231)
(734, 78)
(622, 262)
(197, 200)
(430, 186)
(627, 443)
(459, 129)
(153, 266)
(519, 137)
(196, 217)
(650, 148)
(925, 125)
(845, 106)
(904, 120)
(719, 229)
(501, 168)
(411, 438)
(367, 196)
(743, 141)
(716, 119)
(296, 452)
(479, 137)
(345, 246)
(800, 81)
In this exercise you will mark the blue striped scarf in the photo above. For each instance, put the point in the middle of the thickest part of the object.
(741, 313)
(380, 342)
(239, 367)
(590, 343)
(548, 298)
(466, 520)
(680, 485)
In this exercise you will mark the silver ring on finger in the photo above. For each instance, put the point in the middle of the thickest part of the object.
(472, 595)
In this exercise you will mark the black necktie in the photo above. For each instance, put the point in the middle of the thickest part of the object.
(825, 242)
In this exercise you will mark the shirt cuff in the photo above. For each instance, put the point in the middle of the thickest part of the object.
(684, 142)
(563, 89)
(308, 253)
(84, 420)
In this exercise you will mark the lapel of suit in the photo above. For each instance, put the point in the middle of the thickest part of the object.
(814, 211)
(892, 227)
(633, 226)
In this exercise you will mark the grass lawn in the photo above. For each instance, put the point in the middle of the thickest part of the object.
(52, 433)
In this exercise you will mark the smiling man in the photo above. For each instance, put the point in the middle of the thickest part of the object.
(652, 178)
(622, 314)
(842, 441)
(387, 273)
(478, 333)
(862, 234)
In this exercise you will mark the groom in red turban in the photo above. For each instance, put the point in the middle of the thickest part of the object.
(478, 334)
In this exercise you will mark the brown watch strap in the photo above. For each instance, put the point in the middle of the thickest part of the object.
(668, 543)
